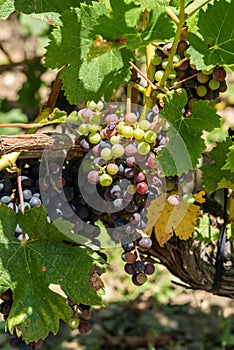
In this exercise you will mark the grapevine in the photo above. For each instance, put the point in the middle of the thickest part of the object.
(116, 171)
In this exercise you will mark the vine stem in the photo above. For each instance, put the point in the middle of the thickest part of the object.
(190, 14)
(172, 15)
(150, 68)
(180, 25)
(21, 198)
(21, 125)
(142, 74)
(129, 98)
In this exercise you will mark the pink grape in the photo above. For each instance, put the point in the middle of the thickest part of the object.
(142, 187)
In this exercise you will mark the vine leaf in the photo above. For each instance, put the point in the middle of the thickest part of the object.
(181, 153)
(29, 267)
(6, 8)
(214, 43)
(214, 175)
(122, 27)
(84, 79)
(179, 220)
(229, 165)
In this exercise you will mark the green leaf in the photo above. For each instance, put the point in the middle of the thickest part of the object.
(213, 175)
(185, 145)
(229, 165)
(84, 79)
(29, 267)
(123, 26)
(214, 44)
(49, 10)
(6, 8)
(204, 231)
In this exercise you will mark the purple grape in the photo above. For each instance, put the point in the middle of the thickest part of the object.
(145, 243)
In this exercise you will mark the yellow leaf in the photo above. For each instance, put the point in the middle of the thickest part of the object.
(199, 197)
(179, 220)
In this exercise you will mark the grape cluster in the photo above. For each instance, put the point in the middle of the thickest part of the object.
(81, 314)
(138, 262)
(205, 84)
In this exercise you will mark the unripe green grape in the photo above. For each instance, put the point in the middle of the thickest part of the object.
(202, 78)
(93, 128)
(87, 165)
(156, 60)
(99, 106)
(117, 150)
(83, 129)
(164, 63)
(74, 323)
(143, 148)
(106, 153)
(95, 119)
(130, 118)
(91, 105)
(144, 124)
(127, 131)
(120, 126)
(138, 133)
(150, 136)
(115, 139)
(112, 168)
(158, 75)
(105, 180)
(214, 84)
(201, 91)
(94, 138)
(172, 74)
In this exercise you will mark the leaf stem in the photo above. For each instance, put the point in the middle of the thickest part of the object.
(180, 25)
(143, 75)
(129, 98)
(190, 14)
(172, 15)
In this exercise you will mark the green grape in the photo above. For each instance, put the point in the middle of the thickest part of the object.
(106, 153)
(138, 133)
(120, 126)
(83, 129)
(156, 60)
(143, 148)
(74, 323)
(115, 139)
(201, 91)
(105, 180)
(95, 119)
(93, 128)
(127, 131)
(158, 75)
(130, 118)
(172, 74)
(150, 136)
(87, 165)
(202, 78)
(91, 105)
(144, 124)
(176, 59)
(131, 189)
(214, 84)
(99, 106)
(164, 63)
(94, 138)
(117, 150)
(112, 168)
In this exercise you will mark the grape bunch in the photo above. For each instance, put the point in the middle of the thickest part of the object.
(199, 84)
(138, 262)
